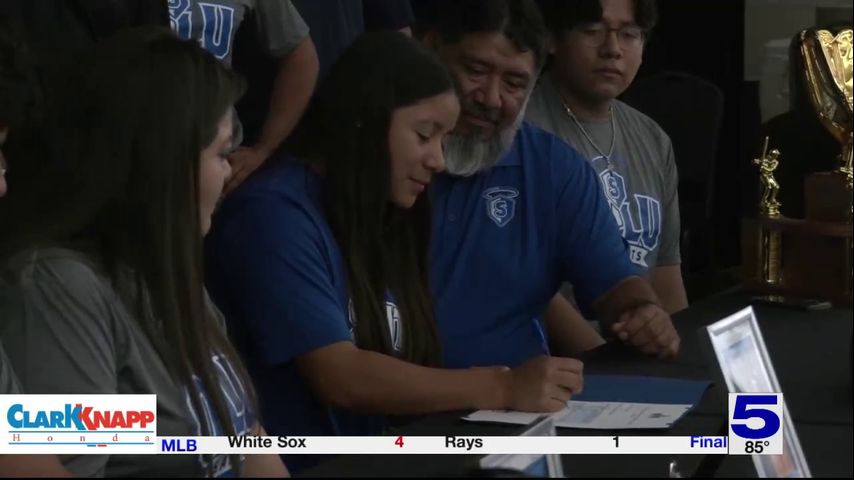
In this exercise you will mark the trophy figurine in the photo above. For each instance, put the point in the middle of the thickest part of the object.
(769, 206)
(770, 239)
(810, 257)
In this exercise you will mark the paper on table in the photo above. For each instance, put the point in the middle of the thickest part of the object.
(595, 416)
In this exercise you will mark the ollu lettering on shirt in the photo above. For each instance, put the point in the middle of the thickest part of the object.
(641, 233)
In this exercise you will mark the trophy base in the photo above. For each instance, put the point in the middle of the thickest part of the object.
(827, 197)
(798, 258)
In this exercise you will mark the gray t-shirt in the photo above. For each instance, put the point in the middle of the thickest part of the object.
(641, 189)
(67, 332)
(8, 381)
(214, 24)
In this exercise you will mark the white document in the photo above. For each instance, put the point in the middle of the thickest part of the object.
(595, 416)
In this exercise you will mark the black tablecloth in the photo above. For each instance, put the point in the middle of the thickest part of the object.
(811, 353)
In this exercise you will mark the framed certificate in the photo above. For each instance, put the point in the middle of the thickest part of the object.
(745, 366)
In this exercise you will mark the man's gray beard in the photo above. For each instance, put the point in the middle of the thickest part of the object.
(467, 155)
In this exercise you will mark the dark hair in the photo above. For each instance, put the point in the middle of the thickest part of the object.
(518, 20)
(123, 186)
(563, 15)
(386, 248)
(20, 91)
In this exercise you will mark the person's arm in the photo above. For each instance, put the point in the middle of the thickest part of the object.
(64, 339)
(284, 35)
(569, 333)
(666, 276)
(346, 377)
(271, 262)
(667, 282)
(264, 466)
(595, 260)
(292, 90)
(632, 311)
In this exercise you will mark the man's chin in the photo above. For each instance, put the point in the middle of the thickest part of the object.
(474, 132)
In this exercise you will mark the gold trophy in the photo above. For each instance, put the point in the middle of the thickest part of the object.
(770, 239)
(769, 206)
(827, 64)
(809, 257)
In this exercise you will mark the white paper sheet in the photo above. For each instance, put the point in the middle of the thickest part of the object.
(595, 416)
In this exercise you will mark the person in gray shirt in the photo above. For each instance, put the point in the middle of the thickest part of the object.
(285, 36)
(597, 48)
(15, 465)
(101, 269)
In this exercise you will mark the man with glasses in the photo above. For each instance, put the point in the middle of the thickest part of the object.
(596, 49)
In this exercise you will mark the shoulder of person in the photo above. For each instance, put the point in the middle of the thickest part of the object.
(278, 189)
(60, 288)
(279, 208)
(71, 269)
(548, 160)
(284, 177)
(546, 148)
(649, 126)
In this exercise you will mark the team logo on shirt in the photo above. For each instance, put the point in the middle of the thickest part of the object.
(217, 24)
(394, 324)
(234, 394)
(501, 204)
(641, 235)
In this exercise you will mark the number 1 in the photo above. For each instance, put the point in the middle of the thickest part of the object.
(616, 442)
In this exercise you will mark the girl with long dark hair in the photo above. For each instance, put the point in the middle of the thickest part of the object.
(321, 262)
(101, 286)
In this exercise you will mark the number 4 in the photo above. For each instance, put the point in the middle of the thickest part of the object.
(399, 442)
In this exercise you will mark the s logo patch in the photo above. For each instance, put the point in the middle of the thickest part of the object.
(501, 204)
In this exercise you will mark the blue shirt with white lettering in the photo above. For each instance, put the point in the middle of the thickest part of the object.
(275, 270)
(506, 238)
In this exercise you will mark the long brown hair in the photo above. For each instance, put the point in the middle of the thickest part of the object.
(386, 248)
(121, 181)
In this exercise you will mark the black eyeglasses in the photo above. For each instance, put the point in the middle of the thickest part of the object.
(596, 34)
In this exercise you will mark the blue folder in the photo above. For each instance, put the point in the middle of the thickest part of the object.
(637, 389)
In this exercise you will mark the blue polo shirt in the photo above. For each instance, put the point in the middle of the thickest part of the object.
(275, 271)
(505, 239)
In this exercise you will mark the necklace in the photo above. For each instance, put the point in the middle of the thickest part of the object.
(607, 156)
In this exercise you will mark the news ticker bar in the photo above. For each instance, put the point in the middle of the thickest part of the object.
(589, 445)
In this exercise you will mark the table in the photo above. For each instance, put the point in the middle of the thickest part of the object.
(811, 355)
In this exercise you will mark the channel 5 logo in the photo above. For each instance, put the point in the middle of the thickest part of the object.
(756, 423)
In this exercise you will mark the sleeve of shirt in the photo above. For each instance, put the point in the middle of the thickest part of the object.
(387, 14)
(64, 341)
(668, 253)
(593, 255)
(280, 26)
(271, 265)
